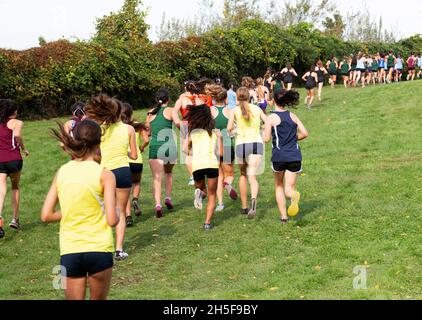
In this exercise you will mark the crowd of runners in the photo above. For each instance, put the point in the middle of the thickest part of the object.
(219, 130)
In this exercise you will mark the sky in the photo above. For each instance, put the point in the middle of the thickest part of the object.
(23, 21)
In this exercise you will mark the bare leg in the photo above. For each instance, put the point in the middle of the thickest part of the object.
(254, 162)
(99, 284)
(122, 198)
(75, 288)
(157, 176)
(220, 188)
(212, 188)
(243, 186)
(320, 85)
(3, 190)
(279, 194)
(15, 178)
(168, 170)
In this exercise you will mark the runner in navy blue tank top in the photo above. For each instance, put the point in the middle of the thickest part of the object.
(285, 130)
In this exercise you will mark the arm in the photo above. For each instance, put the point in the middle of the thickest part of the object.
(294, 72)
(302, 132)
(133, 154)
(17, 130)
(48, 212)
(187, 145)
(175, 113)
(304, 76)
(230, 125)
(145, 139)
(108, 182)
(268, 127)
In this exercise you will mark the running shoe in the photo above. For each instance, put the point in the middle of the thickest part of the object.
(191, 181)
(15, 224)
(120, 255)
(198, 199)
(158, 212)
(220, 208)
(293, 210)
(208, 226)
(169, 204)
(231, 191)
(284, 221)
(244, 211)
(129, 221)
(1, 229)
(252, 212)
(136, 207)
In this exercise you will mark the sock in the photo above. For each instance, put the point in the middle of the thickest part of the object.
(135, 199)
(168, 198)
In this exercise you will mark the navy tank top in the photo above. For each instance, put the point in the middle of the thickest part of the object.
(285, 146)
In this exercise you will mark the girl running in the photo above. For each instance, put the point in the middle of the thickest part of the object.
(332, 66)
(87, 195)
(399, 68)
(411, 66)
(249, 83)
(288, 75)
(249, 147)
(221, 114)
(11, 144)
(361, 70)
(345, 69)
(190, 97)
(368, 77)
(263, 94)
(162, 149)
(117, 139)
(391, 61)
(136, 166)
(285, 129)
(78, 113)
(381, 69)
(311, 79)
(203, 141)
(419, 58)
(353, 65)
(321, 72)
(375, 70)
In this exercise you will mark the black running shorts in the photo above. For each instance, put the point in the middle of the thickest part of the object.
(199, 175)
(80, 265)
(11, 167)
(294, 167)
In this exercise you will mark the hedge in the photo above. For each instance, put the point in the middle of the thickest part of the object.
(45, 81)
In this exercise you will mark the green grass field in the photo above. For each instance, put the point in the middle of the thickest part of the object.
(362, 205)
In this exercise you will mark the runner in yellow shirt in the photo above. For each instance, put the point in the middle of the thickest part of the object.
(86, 192)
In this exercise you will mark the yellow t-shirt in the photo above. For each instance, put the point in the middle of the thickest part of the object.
(203, 150)
(83, 227)
(248, 131)
(114, 146)
(140, 160)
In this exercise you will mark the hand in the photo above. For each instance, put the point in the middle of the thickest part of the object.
(26, 152)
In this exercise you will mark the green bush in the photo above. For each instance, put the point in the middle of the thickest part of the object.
(45, 81)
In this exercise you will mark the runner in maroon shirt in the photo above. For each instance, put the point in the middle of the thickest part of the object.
(11, 143)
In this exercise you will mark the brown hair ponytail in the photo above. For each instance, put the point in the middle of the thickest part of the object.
(86, 138)
(103, 109)
(243, 98)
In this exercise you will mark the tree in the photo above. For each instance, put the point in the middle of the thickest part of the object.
(237, 11)
(126, 25)
(334, 26)
(304, 11)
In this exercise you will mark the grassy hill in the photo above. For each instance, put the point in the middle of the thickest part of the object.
(361, 206)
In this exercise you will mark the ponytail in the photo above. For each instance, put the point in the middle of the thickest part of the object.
(243, 98)
(161, 98)
(86, 138)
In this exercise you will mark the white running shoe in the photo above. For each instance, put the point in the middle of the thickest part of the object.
(198, 199)
(120, 255)
(191, 181)
(220, 208)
